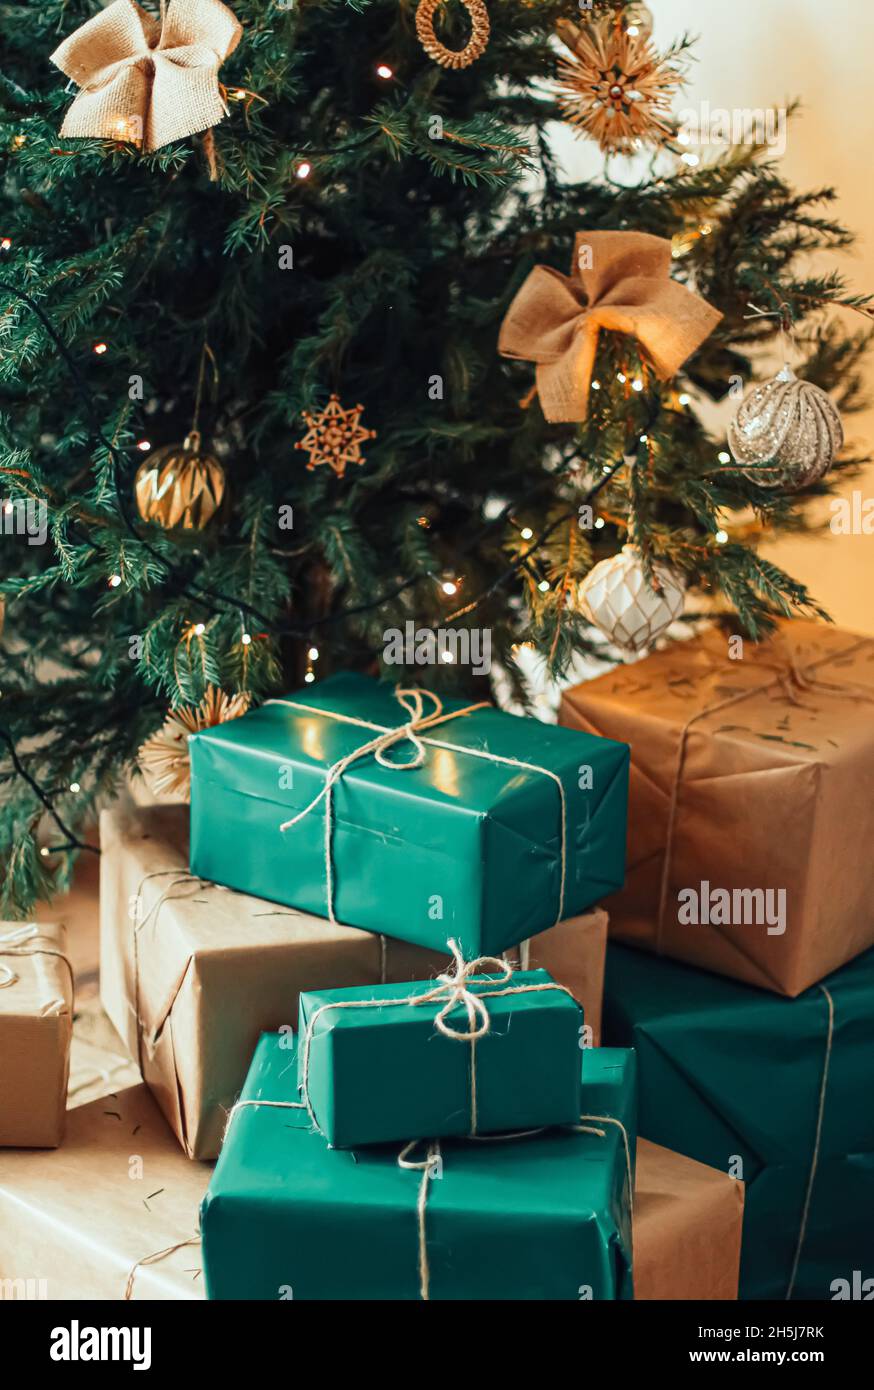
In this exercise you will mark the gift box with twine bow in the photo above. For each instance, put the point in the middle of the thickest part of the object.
(541, 1216)
(36, 1027)
(773, 1091)
(751, 818)
(400, 813)
(467, 1053)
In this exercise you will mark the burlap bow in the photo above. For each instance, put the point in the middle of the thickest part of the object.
(148, 80)
(619, 281)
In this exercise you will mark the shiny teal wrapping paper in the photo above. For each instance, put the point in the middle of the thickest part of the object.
(461, 847)
(418, 1082)
(729, 1072)
(542, 1217)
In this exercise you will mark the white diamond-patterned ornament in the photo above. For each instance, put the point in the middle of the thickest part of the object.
(617, 598)
(786, 433)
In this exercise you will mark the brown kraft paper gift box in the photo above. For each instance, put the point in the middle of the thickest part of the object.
(36, 1024)
(687, 1228)
(191, 974)
(752, 776)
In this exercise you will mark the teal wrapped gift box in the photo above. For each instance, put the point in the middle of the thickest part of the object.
(502, 827)
(540, 1217)
(433, 1069)
(777, 1092)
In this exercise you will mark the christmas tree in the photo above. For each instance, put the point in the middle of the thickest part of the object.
(254, 414)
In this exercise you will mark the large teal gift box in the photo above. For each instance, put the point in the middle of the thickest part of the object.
(545, 1216)
(775, 1091)
(474, 1055)
(501, 827)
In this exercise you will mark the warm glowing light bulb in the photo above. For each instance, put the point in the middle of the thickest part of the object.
(644, 439)
(633, 30)
(199, 629)
(384, 71)
(685, 399)
(543, 586)
(246, 639)
(309, 678)
(6, 244)
(724, 457)
(526, 533)
(74, 787)
(313, 653)
(449, 587)
(596, 385)
(114, 581)
(304, 169)
(721, 537)
(620, 376)
(100, 349)
(144, 446)
(44, 852)
(690, 159)
(599, 523)
(637, 384)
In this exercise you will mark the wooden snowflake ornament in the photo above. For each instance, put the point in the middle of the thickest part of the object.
(334, 436)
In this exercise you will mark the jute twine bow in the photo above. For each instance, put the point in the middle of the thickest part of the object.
(452, 989)
(619, 281)
(147, 80)
(794, 680)
(17, 942)
(413, 702)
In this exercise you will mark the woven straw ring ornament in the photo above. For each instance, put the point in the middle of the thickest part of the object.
(448, 57)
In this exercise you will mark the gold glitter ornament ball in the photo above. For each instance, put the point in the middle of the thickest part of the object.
(618, 599)
(786, 434)
(180, 486)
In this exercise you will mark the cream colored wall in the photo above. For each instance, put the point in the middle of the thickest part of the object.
(755, 53)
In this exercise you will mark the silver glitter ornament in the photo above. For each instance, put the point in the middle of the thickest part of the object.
(617, 598)
(786, 433)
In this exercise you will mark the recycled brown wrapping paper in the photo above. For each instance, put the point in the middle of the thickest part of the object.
(76, 1221)
(774, 793)
(687, 1227)
(191, 973)
(36, 1021)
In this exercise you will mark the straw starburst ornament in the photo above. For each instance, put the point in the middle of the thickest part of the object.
(164, 760)
(616, 87)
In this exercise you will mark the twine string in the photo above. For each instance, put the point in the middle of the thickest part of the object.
(814, 1162)
(153, 1259)
(412, 701)
(14, 943)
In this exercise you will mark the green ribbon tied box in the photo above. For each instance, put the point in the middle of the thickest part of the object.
(542, 1216)
(407, 815)
(773, 1091)
(466, 1054)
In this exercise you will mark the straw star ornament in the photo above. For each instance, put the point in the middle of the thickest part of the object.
(335, 436)
(615, 87)
(148, 80)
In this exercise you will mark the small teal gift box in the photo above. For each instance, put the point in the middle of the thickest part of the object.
(468, 1053)
(416, 817)
(544, 1215)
